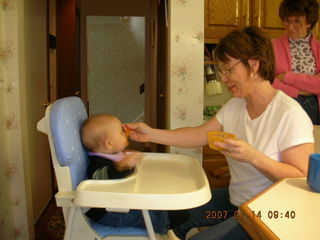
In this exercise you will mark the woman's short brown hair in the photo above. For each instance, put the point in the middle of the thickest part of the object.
(245, 44)
(308, 8)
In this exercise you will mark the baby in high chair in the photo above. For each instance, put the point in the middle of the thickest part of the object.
(106, 140)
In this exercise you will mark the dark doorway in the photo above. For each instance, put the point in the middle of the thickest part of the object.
(75, 65)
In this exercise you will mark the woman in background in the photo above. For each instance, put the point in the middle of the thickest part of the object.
(297, 55)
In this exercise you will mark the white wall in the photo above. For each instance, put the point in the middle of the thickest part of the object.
(116, 65)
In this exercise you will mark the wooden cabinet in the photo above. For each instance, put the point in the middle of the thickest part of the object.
(224, 16)
(316, 29)
(265, 14)
(216, 168)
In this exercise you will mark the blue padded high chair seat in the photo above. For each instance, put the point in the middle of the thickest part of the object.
(66, 118)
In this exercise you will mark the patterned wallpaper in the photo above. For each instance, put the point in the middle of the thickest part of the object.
(186, 63)
(116, 65)
(13, 218)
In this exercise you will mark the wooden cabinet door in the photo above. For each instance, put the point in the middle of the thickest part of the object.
(222, 17)
(265, 15)
(316, 29)
(216, 168)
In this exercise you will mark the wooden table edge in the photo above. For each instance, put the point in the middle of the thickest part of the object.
(254, 226)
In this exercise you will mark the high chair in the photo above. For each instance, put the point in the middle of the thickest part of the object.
(161, 181)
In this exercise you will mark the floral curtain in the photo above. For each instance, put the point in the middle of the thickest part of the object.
(13, 210)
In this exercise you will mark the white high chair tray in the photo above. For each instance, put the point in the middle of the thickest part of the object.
(162, 181)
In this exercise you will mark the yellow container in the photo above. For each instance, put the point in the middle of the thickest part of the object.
(218, 137)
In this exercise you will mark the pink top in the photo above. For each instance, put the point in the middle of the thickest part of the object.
(294, 81)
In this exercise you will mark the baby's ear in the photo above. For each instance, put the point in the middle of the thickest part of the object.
(107, 144)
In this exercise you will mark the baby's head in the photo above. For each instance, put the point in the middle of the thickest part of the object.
(104, 133)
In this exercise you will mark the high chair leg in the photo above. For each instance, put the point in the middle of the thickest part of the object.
(148, 223)
(69, 223)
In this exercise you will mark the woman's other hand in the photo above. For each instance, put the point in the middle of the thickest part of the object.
(293, 164)
(238, 150)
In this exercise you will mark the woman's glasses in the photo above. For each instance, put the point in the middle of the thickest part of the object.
(295, 22)
(227, 71)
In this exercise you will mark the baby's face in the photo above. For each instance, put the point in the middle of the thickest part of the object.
(119, 138)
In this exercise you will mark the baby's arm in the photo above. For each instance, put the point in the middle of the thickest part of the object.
(129, 161)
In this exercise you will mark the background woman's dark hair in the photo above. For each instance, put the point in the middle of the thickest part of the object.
(245, 44)
(308, 8)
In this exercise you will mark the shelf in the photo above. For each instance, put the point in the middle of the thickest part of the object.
(208, 51)
(212, 41)
(210, 62)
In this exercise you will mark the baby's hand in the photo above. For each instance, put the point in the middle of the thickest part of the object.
(129, 161)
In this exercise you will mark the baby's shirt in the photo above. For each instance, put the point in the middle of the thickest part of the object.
(102, 166)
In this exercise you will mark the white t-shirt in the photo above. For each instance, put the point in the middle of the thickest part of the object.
(282, 125)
